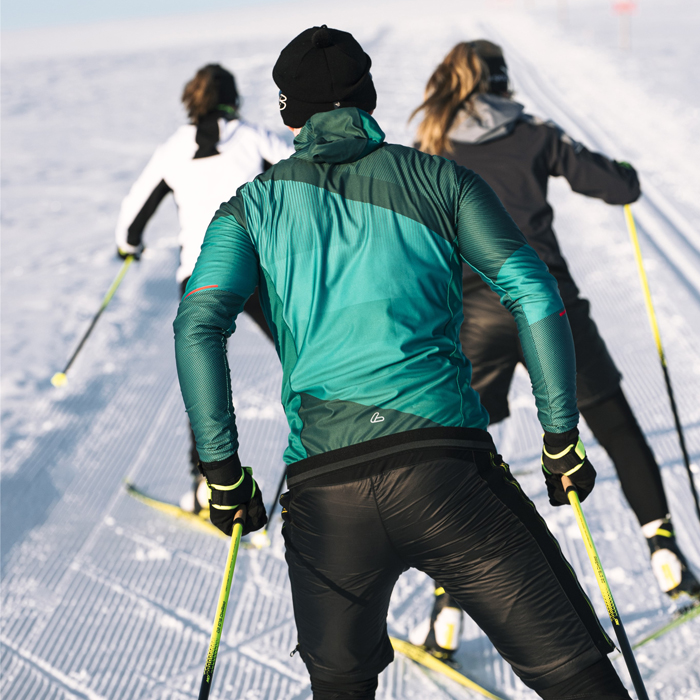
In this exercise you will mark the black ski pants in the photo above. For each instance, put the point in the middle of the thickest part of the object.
(490, 341)
(254, 310)
(355, 523)
(597, 682)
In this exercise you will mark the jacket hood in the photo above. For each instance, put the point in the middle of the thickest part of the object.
(340, 136)
(493, 118)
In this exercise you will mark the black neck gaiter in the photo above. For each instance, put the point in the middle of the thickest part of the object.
(208, 135)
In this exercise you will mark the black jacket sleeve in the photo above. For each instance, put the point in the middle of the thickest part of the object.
(590, 173)
(143, 199)
(135, 230)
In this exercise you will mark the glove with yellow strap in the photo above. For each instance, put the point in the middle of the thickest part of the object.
(126, 250)
(232, 486)
(564, 454)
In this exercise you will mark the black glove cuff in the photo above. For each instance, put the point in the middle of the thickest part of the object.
(555, 440)
(225, 472)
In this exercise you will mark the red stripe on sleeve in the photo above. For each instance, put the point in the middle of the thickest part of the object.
(199, 289)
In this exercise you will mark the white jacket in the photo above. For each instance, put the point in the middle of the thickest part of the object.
(199, 186)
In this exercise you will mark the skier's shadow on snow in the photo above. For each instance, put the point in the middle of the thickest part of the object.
(25, 501)
(28, 495)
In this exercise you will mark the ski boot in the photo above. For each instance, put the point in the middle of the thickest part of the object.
(667, 561)
(196, 500)
(441, 634)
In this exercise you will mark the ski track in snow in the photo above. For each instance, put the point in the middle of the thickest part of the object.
(103, 598)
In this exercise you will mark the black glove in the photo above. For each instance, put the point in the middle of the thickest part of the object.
(285, 500)
(564, 454)
(233, 486)
(133, 250)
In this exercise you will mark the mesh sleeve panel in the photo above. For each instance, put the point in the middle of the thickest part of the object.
(486, 234)
(549, 354)
(225, 275)
(203, 323)
(491, 243)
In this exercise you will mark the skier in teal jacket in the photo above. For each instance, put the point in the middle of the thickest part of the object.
(356, 246)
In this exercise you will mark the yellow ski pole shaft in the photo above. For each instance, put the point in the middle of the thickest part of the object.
(59, 379)
(238, 521)
(631, 227)
(620, 633)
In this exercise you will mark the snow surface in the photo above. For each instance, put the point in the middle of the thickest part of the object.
(103, 598)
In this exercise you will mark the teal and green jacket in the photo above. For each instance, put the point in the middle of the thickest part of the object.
(357, 248)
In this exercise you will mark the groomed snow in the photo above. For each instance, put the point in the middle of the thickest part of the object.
(103, 598)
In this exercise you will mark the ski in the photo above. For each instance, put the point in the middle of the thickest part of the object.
(199, 521)
(424, 658)
(683, 615)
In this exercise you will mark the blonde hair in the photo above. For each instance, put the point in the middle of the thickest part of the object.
(461, 75)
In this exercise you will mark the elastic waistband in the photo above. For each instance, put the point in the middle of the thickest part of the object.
(402, 449)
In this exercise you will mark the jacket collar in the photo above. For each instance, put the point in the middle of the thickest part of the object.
(341, 136)
(493, 117)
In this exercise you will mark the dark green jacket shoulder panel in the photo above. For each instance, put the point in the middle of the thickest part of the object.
(235, 208)
(396, 178)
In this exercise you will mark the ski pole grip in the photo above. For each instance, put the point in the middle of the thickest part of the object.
(239, 517)
(567, 484)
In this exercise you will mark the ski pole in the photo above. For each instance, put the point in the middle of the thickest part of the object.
(280, 486)
(657, 337)
(59, 379)
(262, 539)
(620, 633)
(238, 521)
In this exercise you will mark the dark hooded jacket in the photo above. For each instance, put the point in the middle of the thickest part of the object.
(516, 154)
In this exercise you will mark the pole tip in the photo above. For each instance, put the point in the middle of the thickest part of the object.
(59, 379)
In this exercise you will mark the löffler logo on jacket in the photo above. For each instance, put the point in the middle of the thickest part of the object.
(376, 418)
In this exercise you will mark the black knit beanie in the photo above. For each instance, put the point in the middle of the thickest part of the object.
(320, 70)
(492, 55)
